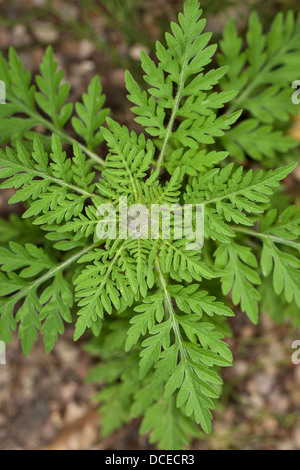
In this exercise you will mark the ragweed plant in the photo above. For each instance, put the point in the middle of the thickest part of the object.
(156, 311)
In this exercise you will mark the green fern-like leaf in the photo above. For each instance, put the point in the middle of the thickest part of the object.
(155, 309)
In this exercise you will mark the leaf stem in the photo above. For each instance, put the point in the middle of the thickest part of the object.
(67, 138)
(25, 291)
(55, 130)
(171, 309)
(244, 93)
(174, 112)
(183, 353)
(268, 236)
